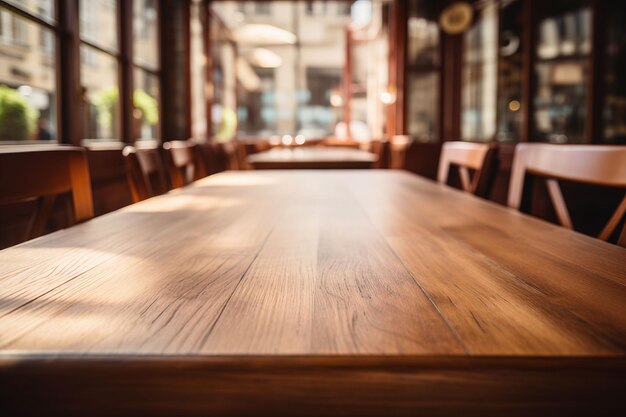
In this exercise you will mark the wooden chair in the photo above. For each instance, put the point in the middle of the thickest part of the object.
(145, 172)
(107, 170)
(598, 165)
(214, 156)
(249, 147)
(184, 162)
(44, 172)
(479, 157)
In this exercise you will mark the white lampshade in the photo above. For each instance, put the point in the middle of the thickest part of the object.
(262, 34)
(265, 58)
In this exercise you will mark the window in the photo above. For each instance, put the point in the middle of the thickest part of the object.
(100, 94)
(99, 69)
(145, 30)
(423, 66)
(146, 95)
(226, 70)
(480, 70)
(27, 78)
(44, 9)
(291, 85)
(344, 8)
(98, 23)
(263, 8)
(13, 30)
(510, 72)
(198, 73)
(561, 71)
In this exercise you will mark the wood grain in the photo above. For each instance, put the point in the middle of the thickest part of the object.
(353, 290)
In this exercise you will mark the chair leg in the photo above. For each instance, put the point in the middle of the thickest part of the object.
(622, 237)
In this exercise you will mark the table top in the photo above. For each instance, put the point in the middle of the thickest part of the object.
(314, 263)
(308, 157)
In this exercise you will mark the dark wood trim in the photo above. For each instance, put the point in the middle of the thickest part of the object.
(187, 64)
(528, 70)
(175, 69)
(69, 91)
(159, 74)
(125, 69)
(451, 84)
(99, 48)
(594, 120)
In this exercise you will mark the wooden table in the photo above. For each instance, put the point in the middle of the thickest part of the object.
(313, 157)
(313, 293)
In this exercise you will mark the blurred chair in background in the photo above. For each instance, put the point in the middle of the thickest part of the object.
(44, 173)
(184, 162)
(597, 165)
(466, 156)
(145, 172)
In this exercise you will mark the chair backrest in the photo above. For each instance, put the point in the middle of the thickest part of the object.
(45, 172)
(145, 172)
(591, 164)
(479, 157)
(183, 161)
(249, 147)
(107, 170)
(214, 156)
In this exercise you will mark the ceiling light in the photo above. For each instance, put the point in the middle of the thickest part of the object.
(265, 58)
(263, 34)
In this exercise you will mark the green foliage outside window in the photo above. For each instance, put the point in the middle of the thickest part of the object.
(17, 118)
(106, 101)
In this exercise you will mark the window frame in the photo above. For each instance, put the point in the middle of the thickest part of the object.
(53, 25)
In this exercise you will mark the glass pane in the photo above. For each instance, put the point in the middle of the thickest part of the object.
(423, 65)
(146, 102)
(510, 72)
(615, 101)
(198, 74)
(40, 8)
(288, 70)
(370, 89)
(27, 80)
(563, 46)
(480, 70)
(223, 110)
(145, 29)
(98, 23)
(100, 95)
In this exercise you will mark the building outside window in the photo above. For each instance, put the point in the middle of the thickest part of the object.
(290, 68)
(146, 94)
(28, 87)
(99, 70)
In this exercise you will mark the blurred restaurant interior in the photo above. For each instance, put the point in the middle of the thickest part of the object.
(226, 150)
